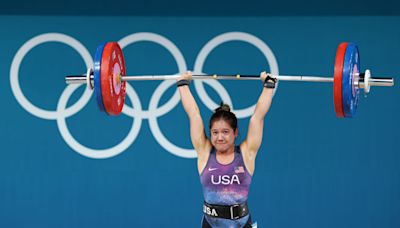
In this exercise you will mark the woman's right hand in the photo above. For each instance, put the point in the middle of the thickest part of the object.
(185, 76)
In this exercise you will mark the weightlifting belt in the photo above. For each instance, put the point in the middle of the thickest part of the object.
(233, 212)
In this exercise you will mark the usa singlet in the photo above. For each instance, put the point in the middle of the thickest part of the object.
(225, 185)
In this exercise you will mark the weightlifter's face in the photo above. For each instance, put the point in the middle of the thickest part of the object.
(222, 135)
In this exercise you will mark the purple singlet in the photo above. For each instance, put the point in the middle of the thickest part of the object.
(225, 185)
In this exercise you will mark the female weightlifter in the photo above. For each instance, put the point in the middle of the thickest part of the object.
(225, 169)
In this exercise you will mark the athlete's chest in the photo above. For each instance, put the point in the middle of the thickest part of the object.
(224, 175)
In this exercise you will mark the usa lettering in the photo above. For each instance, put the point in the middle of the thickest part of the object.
(225, 179)
(209, 211)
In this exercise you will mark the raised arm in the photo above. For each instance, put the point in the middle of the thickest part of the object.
(255, 130)
(197, 133)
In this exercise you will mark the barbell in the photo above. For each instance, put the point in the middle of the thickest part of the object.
(108, 79)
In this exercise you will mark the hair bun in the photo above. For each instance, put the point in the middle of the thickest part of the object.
(223, 107)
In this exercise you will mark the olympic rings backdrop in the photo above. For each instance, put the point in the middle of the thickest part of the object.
(65, 164)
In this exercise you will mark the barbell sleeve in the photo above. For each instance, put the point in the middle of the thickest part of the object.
(380, 81)
(76, 79)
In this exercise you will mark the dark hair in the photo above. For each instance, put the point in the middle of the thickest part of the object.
(224, 112)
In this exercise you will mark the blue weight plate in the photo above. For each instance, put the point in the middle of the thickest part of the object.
(350, 90)
(96, 75)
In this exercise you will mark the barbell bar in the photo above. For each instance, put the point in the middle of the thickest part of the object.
(108, 79)
(82, 79)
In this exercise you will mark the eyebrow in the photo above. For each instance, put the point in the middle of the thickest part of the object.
(223, 129)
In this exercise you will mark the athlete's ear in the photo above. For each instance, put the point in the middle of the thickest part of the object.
(236, 132)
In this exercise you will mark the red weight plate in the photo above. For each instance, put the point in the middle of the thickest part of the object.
(337, 79)
(112, 88)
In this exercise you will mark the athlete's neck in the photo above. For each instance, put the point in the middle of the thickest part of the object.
(225, 157)
(226, 152)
